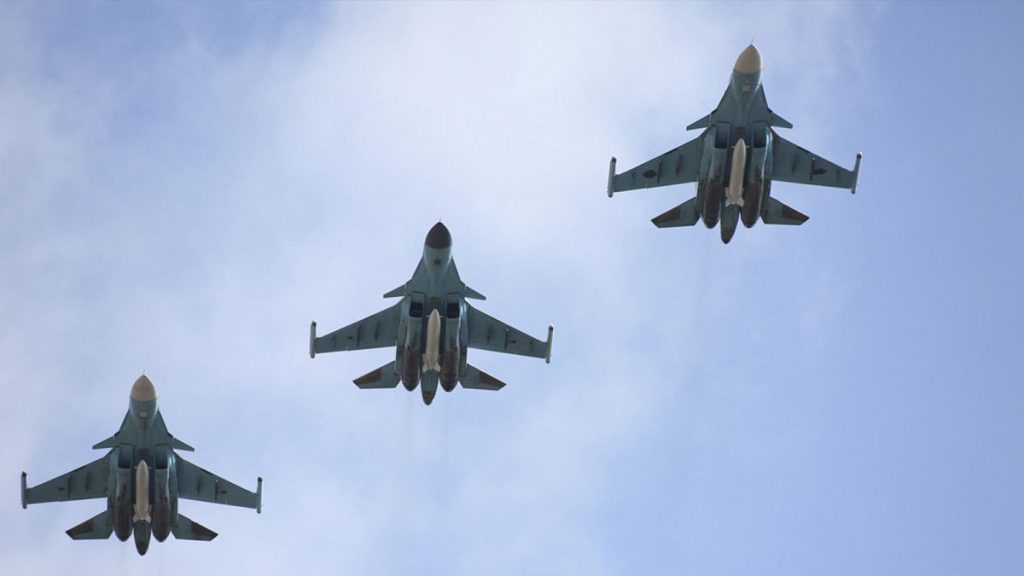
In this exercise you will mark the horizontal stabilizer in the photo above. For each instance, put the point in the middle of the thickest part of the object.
(383, 377)
(400, 291)
(99, 527)
(778, 213)
(186, 529)
(480, 380)
(683, 215)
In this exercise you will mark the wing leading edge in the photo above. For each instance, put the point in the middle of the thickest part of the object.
(376, 331)
(83, 483)
(195, 483)
(677, 166)
(488, 333)
(792, 163)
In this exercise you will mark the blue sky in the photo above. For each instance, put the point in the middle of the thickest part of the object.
(186, 186)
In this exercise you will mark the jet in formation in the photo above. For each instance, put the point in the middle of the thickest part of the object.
(142, 479)
(734, 162)
(431, 328)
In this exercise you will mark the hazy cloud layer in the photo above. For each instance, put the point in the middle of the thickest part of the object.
(186, 187)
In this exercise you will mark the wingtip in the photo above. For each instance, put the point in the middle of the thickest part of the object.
(312, 339)
(611, 177)
(547, 353)
(259, 494)
(856, 172)
(24, 489)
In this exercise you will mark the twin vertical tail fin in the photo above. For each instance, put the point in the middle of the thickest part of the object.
(776, 212)
(99, 527)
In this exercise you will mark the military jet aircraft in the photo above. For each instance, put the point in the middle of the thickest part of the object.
(431, 328)
(142, 479)
(734, 162)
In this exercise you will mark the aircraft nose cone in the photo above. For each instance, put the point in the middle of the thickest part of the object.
(143, 390)
(439, 237)
(749, 61)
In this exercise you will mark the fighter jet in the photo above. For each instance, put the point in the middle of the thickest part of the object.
(431, 328)
(734, 162)
(142, 479)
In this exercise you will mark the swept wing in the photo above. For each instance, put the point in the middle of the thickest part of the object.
(487, 333)
(677, 166)
(89, 481)
(792, 163)
(376, 331)
(195, 483)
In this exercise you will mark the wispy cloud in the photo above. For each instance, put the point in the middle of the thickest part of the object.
(277, 183)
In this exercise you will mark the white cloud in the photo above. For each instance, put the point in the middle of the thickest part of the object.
(296, 181)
